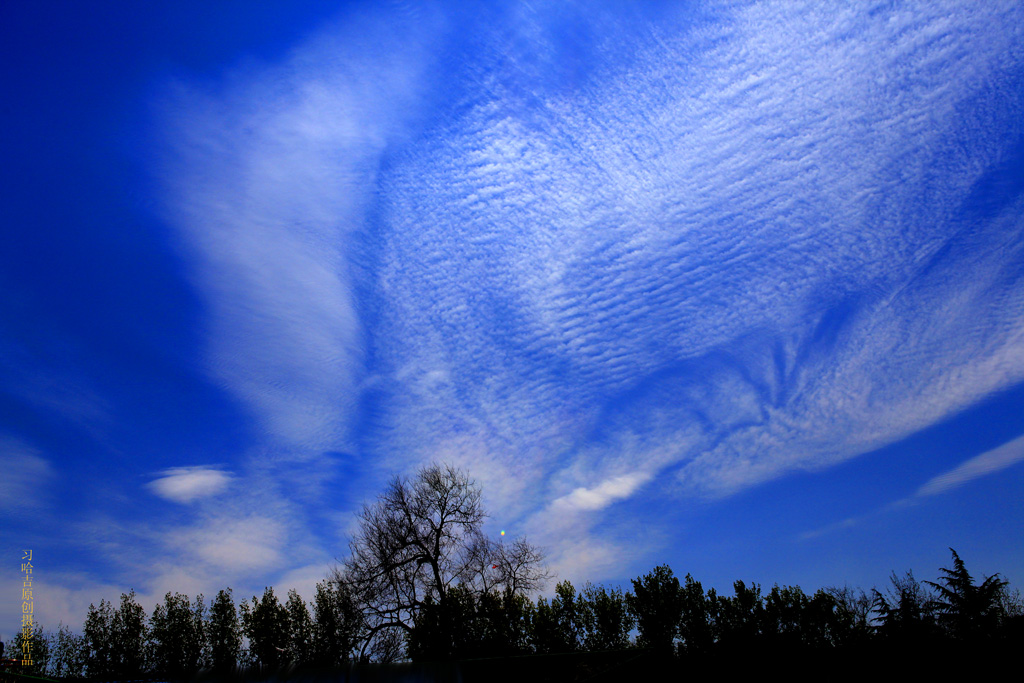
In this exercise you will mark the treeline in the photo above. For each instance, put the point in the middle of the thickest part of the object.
(661, 614)
(183, 637)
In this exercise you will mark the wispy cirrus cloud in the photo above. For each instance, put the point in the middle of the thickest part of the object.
(983, 465)
(269, 180)
(25, 474)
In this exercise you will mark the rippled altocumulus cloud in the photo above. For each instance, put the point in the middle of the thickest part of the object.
(611, 245)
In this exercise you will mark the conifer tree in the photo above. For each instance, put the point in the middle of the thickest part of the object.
(965, 610)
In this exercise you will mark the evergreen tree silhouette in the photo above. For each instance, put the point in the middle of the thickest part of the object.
(967, 611)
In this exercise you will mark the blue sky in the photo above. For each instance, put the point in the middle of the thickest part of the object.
(735, 287)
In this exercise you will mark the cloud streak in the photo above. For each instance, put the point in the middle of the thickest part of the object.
(603, 495)
(983, 465)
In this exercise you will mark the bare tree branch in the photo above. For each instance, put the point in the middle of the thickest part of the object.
(419, 541)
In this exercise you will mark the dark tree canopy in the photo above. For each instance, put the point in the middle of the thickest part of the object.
(67, 654)
(422, 582)
(300, 630)
(39, 650)
(223, 633)
(657, 604)
(265, 623)
(115, 641)
(738, 618)
(605, 618)
(559, 625)
(906, 611)
(695, 622)
(177, 635)
(98, 637)
(967, 611)
(337, 624)
(130, 635)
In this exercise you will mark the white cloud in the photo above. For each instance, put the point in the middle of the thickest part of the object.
(1010, 453)
(303, 580)
(58, 598)
(583, 558)
(234, 545)
(604, 494)
(186, 484)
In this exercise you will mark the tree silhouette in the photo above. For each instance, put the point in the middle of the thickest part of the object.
(695, 627)
(853, 615)
(965, 610)
(657, 604)
(503, 623)
(825, 622)
(738, 618)
(300, 630)
(38, 650)
(115, 641)
(130, 636)
(495, 566)
(265, 623)
(415, 544)
(906, 615)
(223, 633)
(67, 654)
(98, 640)
(566, 608)
(605, 617)
(961, 623)
(784, 610)
(544, 628)
(337, 621)
(176, 634)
